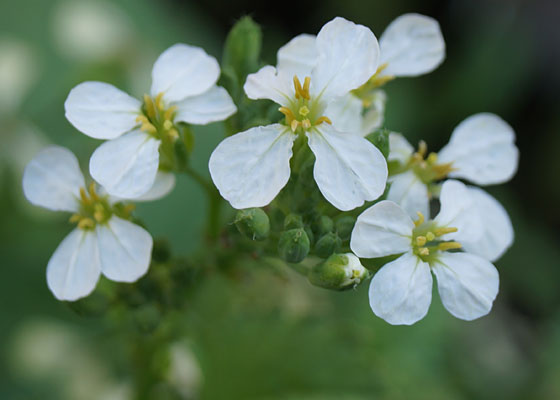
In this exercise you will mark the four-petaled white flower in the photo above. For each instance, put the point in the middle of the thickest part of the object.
(183, 90)
(103, 242)
(251, 167)
(401, 291)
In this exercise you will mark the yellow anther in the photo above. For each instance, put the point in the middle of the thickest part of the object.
(322, 119)
(84, 196)
(424, 251)
(297, 87)
(92, 192)
(75, 218)
(430, 236)
(167, 125)
(422, 149)
(169, 113)
(142, 119)
(306, 84)
(303, 110)
(150, 109)
(99, 216)
(173, 134)
(381, 68)
(306, 123)
(129, 208)
(420, 219)
(287, 112)
(294, 125)
(443, 231)
(432, 158)
(449, 246)
(159, 102)
(421, 240)
(86, 223)
(149, 128)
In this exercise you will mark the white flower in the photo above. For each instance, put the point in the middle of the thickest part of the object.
(251, 167)
(103, 242)
(183, 90)
(401, 291)
(481, 150)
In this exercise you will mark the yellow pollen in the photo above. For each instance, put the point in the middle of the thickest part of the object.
(159, 102)
(86, 223)
(306, 124)
(424, 251)
(432, 158)
(303, 110)
(422, 149)
(294, 125)
(167, 125)
(420, 219)
(75, 218)
(142, 119)
(287, 112)
(173, 134)
(168, 115)
(148, 127)
(302, 92)
(443, 231)
(430, 236)
(421, 240)
(92, 192)
(449, 246)
(322, 119)
(150, 108)
(306, 84)
(84, 196)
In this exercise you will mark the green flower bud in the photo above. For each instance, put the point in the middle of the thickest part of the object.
(293, 245)
(310, 234)
(327, 245)
(344, 226)
(380, 139)
(147, 318)
(293, 221)
(253, 223)
(322, 225)
(242, 48)
(338, 272)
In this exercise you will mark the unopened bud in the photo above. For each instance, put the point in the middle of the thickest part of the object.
(323, 225)
(253, 223)
(344, 226)
(293, 245)
(338, 272)
(327, 245)
(293, 221)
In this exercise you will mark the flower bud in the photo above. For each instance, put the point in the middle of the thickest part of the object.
(338, 272)
(253, 223)
(293, 221)
(322, 225)
(344, 226)
(380, 139)
(327, 245)
(293, 245)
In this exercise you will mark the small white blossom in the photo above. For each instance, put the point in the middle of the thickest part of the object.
(251, 167)
(183, 90)
(104, 242)
(401, 291)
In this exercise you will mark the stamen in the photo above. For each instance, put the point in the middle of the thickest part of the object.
(306, 123)
(142, 119)
(150, 109)
(432, 158)
(424, 251)
(322, 119)
(306, 84)
(443, 231)
(294, 125)
(287, 112)
(297, 87)
(159, 102)
(422, 149)
(168, 115)
(173, 134)
(420, 219)
(421, 240)
(149, 128)
(84, 196)
(75, 218)
(92, 192)
(86, 223)
(129, 208)
(449, 245)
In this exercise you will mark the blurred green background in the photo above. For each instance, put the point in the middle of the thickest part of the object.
(265, 336)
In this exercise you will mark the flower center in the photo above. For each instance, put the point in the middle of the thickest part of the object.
(303, 112)
(157, 120)
(366, 91)
(426, 239)
(96, 209)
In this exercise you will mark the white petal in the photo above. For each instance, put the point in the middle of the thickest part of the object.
(125, 250)
(213, 105)
(348, 57)
(345, 112)
(410, 193)
(74, 268)
(412, 45)
(163, 185)
(375, 114)
(399, 148)
(401, 292)
(496, 229)
(458, 210)
(53, 179)
(182, 71)
(100, 110)
(269, 84)
(126, 167)
(382, 230)
(349, 170)
(482, 150)
(467, 284)
(298, 56)
(251, 167)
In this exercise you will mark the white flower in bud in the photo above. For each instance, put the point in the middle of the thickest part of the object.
(251, 167)
(183, 90)
(401, 291)
(104, 242)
